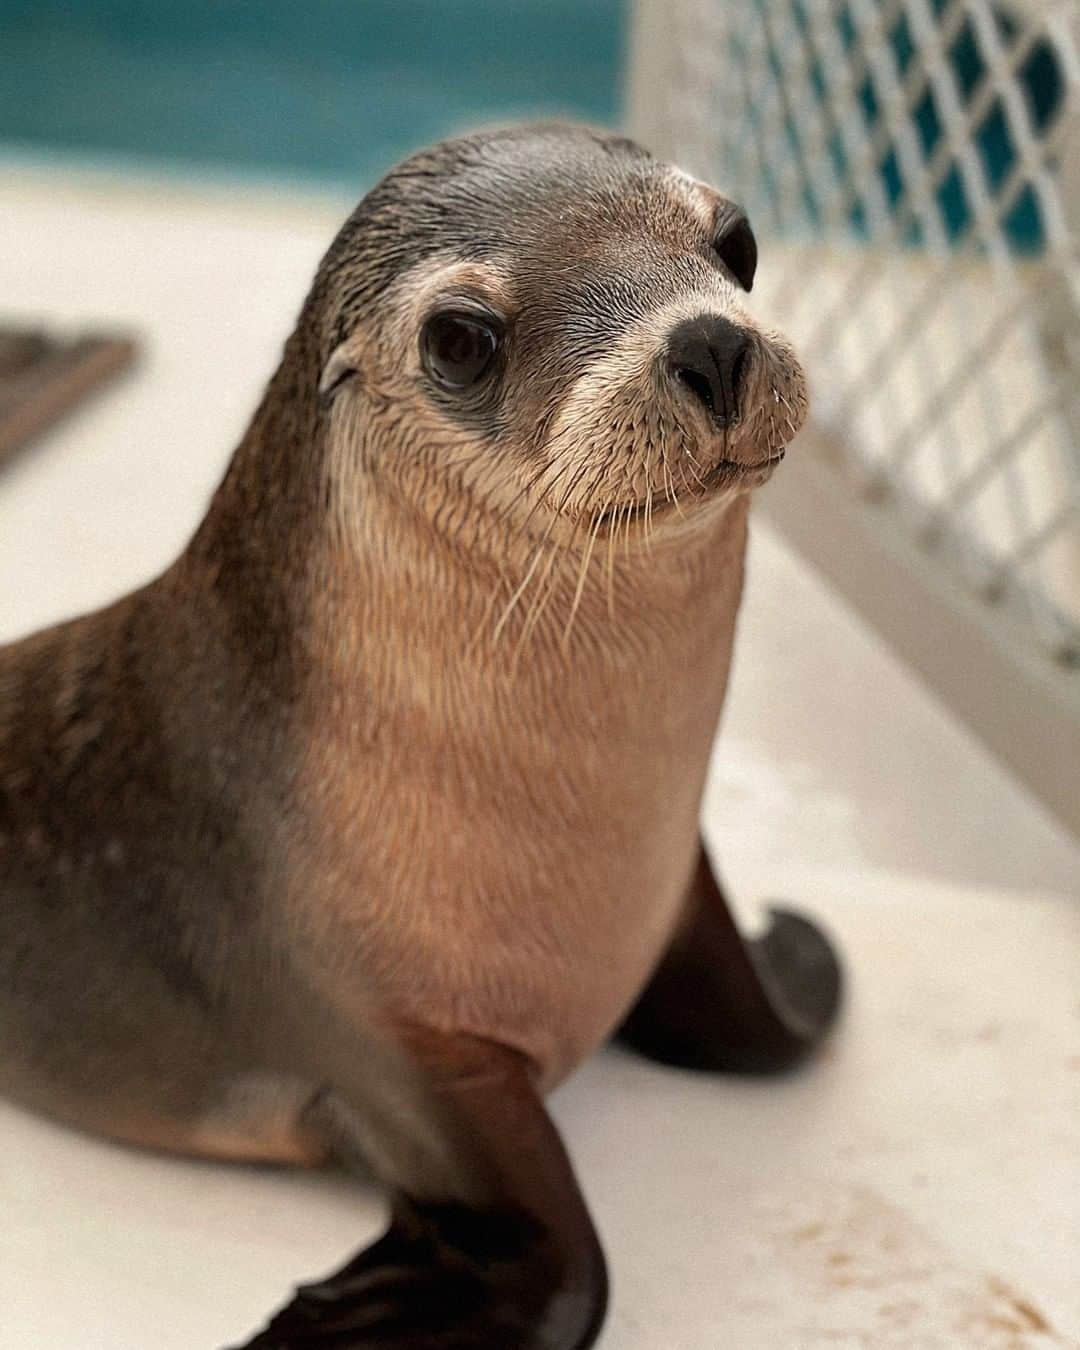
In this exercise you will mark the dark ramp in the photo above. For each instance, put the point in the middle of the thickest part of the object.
(42, 378)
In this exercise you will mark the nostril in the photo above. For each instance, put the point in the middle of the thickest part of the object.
(738, 370)
(697, 384)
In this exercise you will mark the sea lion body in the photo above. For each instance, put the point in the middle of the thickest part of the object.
(378, 811)
(131, 874)
(559, 844)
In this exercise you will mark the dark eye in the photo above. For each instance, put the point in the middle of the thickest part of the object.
(457, 349)
(736, 248)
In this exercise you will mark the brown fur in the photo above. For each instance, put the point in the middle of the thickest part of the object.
(414, 733)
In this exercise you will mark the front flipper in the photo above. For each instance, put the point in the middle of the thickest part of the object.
(722, 1003)
(495, 1249)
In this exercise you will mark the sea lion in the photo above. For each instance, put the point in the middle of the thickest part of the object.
(353, 832)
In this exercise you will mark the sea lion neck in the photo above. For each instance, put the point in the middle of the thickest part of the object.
(268, 505)
(254, 546)
(403, 602)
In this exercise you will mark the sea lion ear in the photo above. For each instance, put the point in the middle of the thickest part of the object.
(340, 367)
(736, 246)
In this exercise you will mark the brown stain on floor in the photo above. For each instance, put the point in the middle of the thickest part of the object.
(1026, 1313)
(861, 1248)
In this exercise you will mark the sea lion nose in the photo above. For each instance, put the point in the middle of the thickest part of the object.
(708, 355)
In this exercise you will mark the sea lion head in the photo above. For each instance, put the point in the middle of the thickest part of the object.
(552, 322)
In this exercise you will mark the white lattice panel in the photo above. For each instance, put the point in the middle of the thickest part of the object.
(911, 160)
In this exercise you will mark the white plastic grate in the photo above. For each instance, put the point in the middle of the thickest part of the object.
(916, 164)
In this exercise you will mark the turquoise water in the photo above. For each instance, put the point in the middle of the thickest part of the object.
(330, 89)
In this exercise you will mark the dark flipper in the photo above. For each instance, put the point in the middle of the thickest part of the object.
(498, 1251)
(719, 1002)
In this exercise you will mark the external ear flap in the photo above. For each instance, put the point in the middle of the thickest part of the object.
(736, 247)
(340, 367)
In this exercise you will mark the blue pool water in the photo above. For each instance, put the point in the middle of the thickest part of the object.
(333, 89)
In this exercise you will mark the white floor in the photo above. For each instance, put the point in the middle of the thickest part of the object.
(919, 1188)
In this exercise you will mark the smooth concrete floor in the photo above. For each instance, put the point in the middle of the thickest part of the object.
(919, 1187)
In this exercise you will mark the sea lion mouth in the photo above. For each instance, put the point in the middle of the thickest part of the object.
(721, 473)
(731, 468)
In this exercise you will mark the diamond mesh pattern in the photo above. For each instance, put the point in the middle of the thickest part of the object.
(909, 158)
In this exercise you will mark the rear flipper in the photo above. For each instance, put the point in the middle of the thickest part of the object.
(718, 1002)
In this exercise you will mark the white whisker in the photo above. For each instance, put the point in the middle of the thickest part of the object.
(518, 592)
(586, 559)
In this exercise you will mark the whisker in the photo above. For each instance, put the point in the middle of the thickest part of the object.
(648, 499)
(611, 569)
(673, 495)
(519, 591)
(586, 559)
(541, 599)
(538, 603)
(477, 637)
(544, 592)
(694, 467)
(574, 481)
(525, 489)
(542, 497)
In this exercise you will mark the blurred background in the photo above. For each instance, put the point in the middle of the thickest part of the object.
(330, 90)
(901, 747)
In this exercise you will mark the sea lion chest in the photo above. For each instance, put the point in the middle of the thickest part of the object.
(506, 857)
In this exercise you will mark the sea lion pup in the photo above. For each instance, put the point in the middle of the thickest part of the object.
(358, 828)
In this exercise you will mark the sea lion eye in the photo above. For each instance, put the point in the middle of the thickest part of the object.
(457, 349)
(736, 247)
